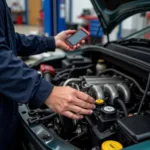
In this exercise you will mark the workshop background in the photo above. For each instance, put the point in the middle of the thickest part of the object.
(50, 17)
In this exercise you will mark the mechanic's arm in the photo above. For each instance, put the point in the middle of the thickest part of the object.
(33, 44)
(17, 81)
(22, 84)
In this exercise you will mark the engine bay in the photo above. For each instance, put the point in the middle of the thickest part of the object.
(121, 114)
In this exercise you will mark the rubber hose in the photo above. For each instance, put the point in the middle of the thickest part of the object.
(144, 96)
(126, 76)
(121, 103)
(47, 76)
(75, 69)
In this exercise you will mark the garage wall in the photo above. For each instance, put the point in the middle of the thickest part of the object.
(22, 2)
(78, 6)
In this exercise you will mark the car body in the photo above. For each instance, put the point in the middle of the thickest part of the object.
(128, 68)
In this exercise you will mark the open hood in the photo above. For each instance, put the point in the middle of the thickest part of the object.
(112, 12)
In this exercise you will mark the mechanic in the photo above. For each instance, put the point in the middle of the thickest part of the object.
(20, 84)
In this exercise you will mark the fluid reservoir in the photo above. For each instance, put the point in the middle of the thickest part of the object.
(101, 66)
(111, 145)
(107, 117)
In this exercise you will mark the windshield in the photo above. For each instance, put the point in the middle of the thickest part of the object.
(113, 4)
(142, 34)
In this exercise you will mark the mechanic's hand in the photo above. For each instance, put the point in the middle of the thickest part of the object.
(70, 102)
(60, 38)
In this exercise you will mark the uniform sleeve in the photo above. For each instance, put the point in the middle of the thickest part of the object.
(17, 81)
(32, 44)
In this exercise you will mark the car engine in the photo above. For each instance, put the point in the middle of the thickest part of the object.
(117, 97)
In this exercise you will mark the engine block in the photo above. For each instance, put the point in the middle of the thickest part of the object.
(102, 87)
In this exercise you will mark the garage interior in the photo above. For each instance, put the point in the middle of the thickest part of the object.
(115, 71)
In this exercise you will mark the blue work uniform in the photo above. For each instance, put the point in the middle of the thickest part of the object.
(18, 83)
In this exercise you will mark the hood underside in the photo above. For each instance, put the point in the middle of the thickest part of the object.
(113, 12)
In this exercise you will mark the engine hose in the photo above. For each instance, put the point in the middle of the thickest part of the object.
(76, 86)
(89, 121)
(60, 77)
(129, 110)
(78, 136)
(47, 76)
(120, 102)
(72, 80)
(144, 96)
(74, 69)
(126, 76)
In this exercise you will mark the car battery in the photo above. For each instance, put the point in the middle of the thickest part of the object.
(76, 61)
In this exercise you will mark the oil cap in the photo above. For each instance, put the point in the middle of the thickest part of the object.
(100, 61)
(99, 102)
(112, 145)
